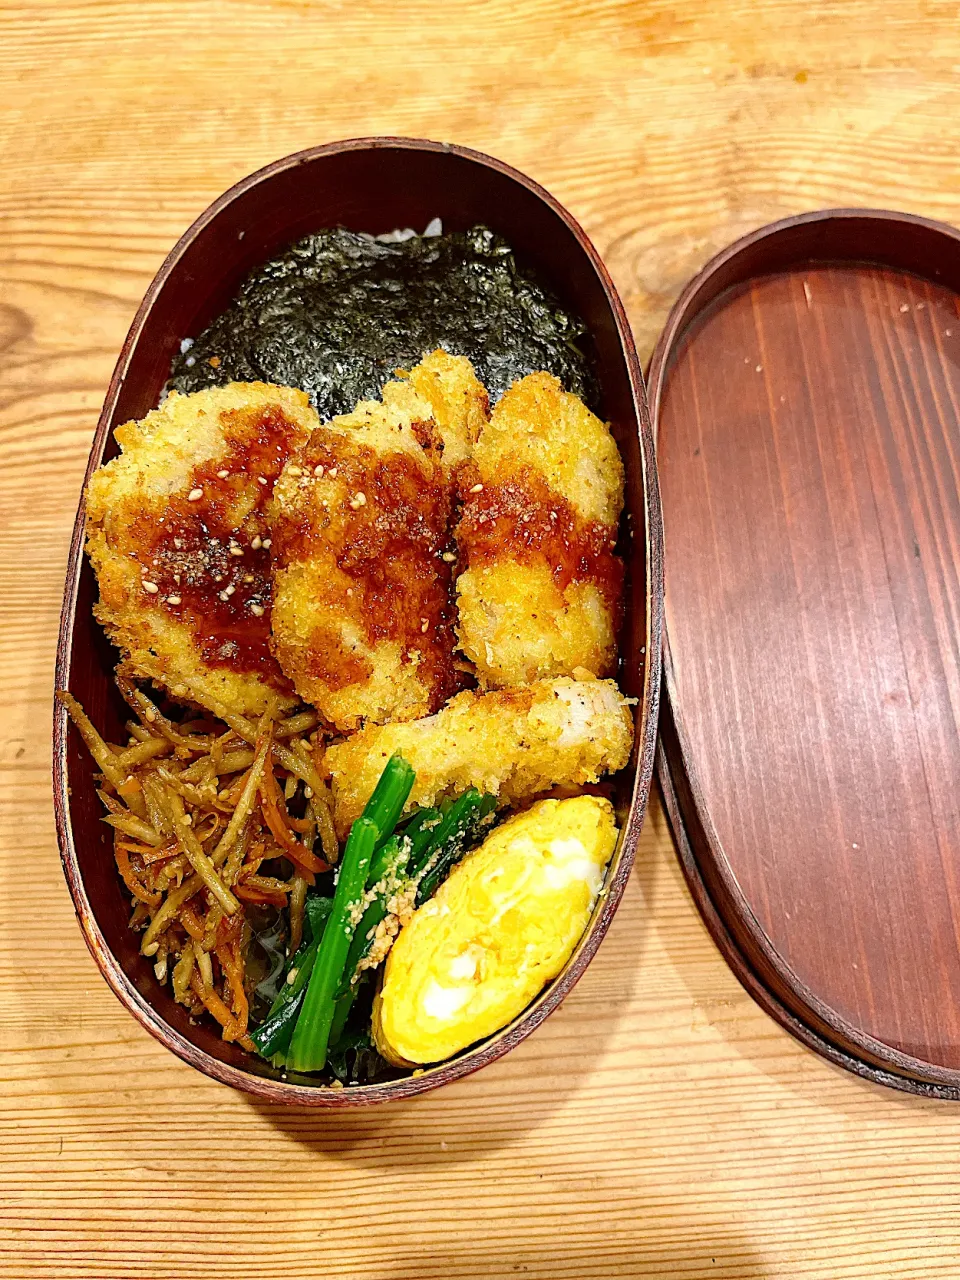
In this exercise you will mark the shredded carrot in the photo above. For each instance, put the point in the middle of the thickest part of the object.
(151, 856)
(275, 815)
(191, 923)
(230, 964)
(195, 858)
(131, 880)
(231, 1027)
(260, 897)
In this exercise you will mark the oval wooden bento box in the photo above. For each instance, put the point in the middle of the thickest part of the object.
(371, 185)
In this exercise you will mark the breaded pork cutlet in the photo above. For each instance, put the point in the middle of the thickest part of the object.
(177, 536)
(539, 589)
(457, 399)
(513, 743)
(363, 609)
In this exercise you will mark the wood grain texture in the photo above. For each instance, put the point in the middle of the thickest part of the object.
(807, 436)
(660, 1124)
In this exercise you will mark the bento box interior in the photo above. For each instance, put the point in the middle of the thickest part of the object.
(373, 189)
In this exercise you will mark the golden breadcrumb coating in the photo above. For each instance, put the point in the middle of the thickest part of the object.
(456, 396)
(513, 743)
(181, 549)
(363, 611)
(537, 424)
(540, 587)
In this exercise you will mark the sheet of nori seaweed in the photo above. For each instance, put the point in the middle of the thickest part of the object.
(339, 311)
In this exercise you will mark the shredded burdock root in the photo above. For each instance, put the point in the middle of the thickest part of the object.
(202, 828)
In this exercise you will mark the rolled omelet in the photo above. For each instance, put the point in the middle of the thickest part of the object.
(498, 930)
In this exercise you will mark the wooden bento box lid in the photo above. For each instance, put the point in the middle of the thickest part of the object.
(805, 396)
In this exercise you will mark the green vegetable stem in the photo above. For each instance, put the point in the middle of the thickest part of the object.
(311, 1036)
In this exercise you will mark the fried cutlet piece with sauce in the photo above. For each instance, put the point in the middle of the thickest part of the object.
(363, 608)
(512, 743)
(457, 399)
(177, 536)
(540, 586)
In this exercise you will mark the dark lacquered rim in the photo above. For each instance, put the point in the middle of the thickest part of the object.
(742, 941)
(279, 1091)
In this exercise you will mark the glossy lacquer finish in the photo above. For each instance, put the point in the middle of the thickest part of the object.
(369, 185)
(806, 397)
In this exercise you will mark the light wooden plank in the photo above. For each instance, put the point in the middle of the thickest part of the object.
(659, 1124)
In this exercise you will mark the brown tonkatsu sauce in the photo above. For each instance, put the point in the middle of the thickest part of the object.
(391, 534)
(523, 519)
(208, 551)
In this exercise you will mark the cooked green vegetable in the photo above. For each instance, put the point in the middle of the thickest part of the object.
(450, 839)
(272, 1037)
(437, 843)
(389, 863)
(389, 796)
(311, 1035)
(308, 1046)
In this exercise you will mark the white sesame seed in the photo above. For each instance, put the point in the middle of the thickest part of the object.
(194, 495)
(349, 591)
(235, 550)
(248, 577)
(224, 596)
(173, 600)
(228, 591)
(178, 544)
(308, 792)
(448, 557)
(260, 480)
(256, 542)
(222, 475)
(477, 488)
(424, 625)
(333, 473)
(268, 543)
(188, 819)
(359, 500)
(151, 587)
(318, 470)
(295, 471)
(256, 610)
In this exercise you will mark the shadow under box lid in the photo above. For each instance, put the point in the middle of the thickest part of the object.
(806, 399)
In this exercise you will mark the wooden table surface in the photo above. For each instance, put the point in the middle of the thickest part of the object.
(659, 1124)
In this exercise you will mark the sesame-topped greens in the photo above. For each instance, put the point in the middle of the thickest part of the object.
(383, 874)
